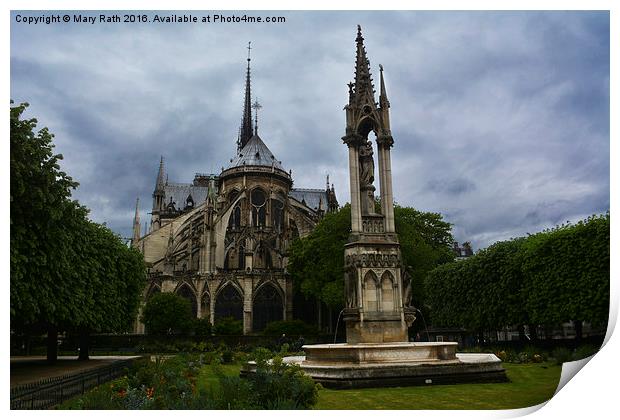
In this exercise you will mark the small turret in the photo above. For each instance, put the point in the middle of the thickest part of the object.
(159, 196)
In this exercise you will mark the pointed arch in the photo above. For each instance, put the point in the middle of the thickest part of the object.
(241, 260)
(366, 125)
(371, 283)
(258, 201)
(229, 302)
(152, 291)
(187, 292)
(205, 304)
(267, 306)
(234, 220)
(387, 292)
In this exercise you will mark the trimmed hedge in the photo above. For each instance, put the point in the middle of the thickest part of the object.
(554, 276)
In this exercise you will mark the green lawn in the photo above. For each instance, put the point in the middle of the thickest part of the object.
(208, 379)
(530, 384)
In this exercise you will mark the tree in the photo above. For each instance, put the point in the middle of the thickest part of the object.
(41, 215)
(316, 262)
(566, 272)
(111, 277)
(67, 273)
(167, 313)
(481, 292)
(425, 243)
(551, 277)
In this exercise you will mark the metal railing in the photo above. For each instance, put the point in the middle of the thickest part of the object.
(50, 392)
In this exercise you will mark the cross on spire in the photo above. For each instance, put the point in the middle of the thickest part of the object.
(256, 107)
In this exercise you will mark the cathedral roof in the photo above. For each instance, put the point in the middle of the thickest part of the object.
(255, 153)
(179, 193)
(310, 197)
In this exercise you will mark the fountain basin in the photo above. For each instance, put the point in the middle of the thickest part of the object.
(393, 364)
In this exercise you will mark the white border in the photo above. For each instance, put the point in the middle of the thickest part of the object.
(592, 394)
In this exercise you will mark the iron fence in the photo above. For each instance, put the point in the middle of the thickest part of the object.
(50, 392)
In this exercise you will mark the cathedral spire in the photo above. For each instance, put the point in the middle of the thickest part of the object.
(246, 130)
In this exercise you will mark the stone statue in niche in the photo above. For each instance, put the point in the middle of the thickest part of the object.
(350, 288)
(407, 288)
(367, 165)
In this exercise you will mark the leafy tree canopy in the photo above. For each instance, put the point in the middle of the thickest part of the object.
(316, 262)
(554, 276)
(66, 271)
(167, 313)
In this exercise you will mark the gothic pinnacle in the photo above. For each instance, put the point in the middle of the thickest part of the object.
(160, 174)
(363, 80)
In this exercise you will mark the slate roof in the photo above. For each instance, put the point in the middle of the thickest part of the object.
(311, 196)
(179, 193)
(255, 153)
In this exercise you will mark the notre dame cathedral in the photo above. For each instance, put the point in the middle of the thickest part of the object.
(221, 241)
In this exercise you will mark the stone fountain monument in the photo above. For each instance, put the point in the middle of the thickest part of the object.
(378, 291)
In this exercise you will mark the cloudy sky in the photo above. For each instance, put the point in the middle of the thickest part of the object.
(500, 120)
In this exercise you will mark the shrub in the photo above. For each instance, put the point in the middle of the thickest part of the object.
(163, 383)
(561, 355)
(228, 356)
(228, 326)
(275, 385)
(167, 313)
(284, 385)
(202, 327)
(584, 351)
(291, 328)
(260, 354)
(233, 393)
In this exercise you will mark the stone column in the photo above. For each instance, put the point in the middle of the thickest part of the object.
(212, 308)
(288, 300)
(389, 214)
(382, 186)
(356, 216)
(247, 305)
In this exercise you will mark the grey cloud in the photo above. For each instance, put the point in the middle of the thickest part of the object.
(500, 119)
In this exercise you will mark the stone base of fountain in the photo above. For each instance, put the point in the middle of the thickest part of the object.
(366, 365)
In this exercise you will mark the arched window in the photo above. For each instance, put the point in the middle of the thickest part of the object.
(267, 307)
(277, 215)
(229, 303)
(187, 293)
(294, 230)
(241, 262)
(152, 292)
(370, 292)
(234, 222)
(258, 200)
(268, 261)
(232, 195)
